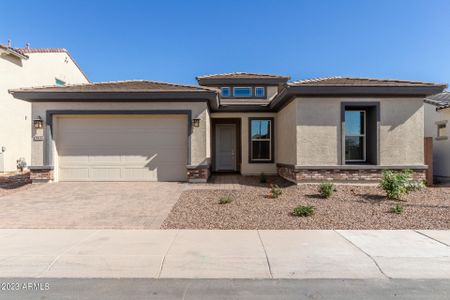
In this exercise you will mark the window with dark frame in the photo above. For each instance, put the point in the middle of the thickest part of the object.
(355, 136)
(261, 139)
(242, 92)
(260, 91)
(225, 91)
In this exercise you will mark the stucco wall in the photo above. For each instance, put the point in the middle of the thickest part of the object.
(319, 132)
(200, 153)
(246, 167)
(441, 148)
(286, 135)
(15, 115)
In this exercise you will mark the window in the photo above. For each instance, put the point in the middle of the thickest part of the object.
(60, 82)
(441, 130)
(261, 137)
(260, 92)
(225, 92)
(242, 92)
(355, 136)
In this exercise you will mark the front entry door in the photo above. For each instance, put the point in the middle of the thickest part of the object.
(225, 147)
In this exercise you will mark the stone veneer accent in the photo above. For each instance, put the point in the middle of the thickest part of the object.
(343, 174)
(14, 179)
(41, 174)
(198, 174)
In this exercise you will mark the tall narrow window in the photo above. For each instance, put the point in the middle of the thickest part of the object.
(355, 136)
(260, 92)
(441, 130)
(261, 139)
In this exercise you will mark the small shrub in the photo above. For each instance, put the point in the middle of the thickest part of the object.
(276, 191)
(397, 209)
(304, 210)
(263, 178)
(326, 189)
(225, 200)
(398, 184)
(21, 164)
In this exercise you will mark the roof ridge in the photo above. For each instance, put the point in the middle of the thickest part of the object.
(238, 73)
(314, 79)
(363, 81)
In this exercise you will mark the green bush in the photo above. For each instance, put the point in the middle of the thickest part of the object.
(326, 189)
(276, 191)
(304, 210)
(263, 178)
(398, 184)
(225, 200)
(397, 209)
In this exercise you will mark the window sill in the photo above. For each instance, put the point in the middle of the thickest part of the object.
(260, 162)
(441, 138)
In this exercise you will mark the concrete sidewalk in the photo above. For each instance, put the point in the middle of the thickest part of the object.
(225, 254)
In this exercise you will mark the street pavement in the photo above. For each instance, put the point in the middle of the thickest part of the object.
(215, 289)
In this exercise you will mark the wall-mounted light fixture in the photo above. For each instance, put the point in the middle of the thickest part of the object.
(38, 123)
(196, 122)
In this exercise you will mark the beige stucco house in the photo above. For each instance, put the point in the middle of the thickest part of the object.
(27, 67)
(437, 118)
(309, 130)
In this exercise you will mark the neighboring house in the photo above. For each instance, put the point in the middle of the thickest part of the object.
(20, 68)
(437, 118)
(308, 130)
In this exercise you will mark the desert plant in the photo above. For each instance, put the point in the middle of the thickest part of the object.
(304, 210)
(225, 200)
(275, 191)
(397, 209)
(21, 164)
(398, 184)
(326, 189)
(263, 178)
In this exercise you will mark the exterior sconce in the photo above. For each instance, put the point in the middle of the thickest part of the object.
(196, 122)
(38, 123)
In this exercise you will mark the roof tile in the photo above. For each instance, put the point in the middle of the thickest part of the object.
(121, 86)
(358, 81)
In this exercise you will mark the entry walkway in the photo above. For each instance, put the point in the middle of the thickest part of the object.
(224, 254)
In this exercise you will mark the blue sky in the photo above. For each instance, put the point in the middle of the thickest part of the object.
(176, 40)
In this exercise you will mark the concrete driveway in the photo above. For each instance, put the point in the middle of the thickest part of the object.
(90, 205)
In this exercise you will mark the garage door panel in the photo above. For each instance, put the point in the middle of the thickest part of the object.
(132, 138)
(99, 148)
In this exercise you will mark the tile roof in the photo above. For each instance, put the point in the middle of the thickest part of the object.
(356, 81)
(14, 51)
(121, 86)
(441, 100)
(242, 75)
(42, 50)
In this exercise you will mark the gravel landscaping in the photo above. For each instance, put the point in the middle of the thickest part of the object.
(350, 207)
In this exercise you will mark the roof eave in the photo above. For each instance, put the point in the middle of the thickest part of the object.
(116, 96)
(364, 91)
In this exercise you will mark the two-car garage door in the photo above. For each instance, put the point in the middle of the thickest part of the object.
(121, 147)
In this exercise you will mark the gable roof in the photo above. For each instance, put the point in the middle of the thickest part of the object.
(29, 50)
(241, 78)
(441, 101)
(361, 81)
